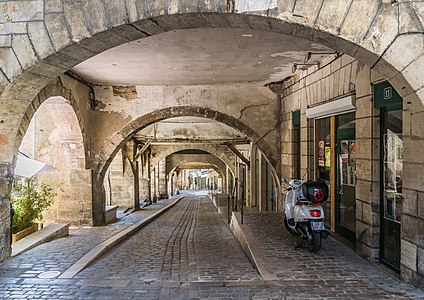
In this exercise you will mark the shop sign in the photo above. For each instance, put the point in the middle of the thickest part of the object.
(386, 96)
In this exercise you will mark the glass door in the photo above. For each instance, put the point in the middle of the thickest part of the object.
(391, 179)
(323, 161)
(346, 177)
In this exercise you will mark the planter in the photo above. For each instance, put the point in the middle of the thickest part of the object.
(27, 231)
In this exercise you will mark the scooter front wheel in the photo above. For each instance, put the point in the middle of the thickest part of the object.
(315, 243)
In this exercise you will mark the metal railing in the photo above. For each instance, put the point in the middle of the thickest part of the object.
(235, 202)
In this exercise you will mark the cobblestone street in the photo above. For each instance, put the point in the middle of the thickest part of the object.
(189, 253)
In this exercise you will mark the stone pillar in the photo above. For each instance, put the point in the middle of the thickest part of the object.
(122, 181)
(149, 178)
(262, 183)
(162, 181)
(98, 196)
(130, 154)
(412, 241)
(144, 177)
(136, 186)
(367, 169)
(6, 178)
(252, 177)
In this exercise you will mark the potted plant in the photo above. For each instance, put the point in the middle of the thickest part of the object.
(28, 202)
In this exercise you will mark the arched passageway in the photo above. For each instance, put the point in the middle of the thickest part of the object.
(50, 39)
(54, 137)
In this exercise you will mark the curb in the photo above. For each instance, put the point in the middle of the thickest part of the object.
(105, 246)
(252, 249)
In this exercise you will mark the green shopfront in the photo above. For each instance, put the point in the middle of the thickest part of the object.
(391, 165)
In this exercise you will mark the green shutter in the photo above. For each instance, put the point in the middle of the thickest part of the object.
(386, 96)
(296, 117)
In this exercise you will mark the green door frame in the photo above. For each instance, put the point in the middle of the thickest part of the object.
(344, 134)
(383, 111)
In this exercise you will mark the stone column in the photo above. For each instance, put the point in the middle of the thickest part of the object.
(252, 176)
(412, 241)
(6, 178)
(149, 177)
(99, 196)
(367, 188)
(262, 183)
(162, 181)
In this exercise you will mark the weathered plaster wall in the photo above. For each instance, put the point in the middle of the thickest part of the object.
(252, 110)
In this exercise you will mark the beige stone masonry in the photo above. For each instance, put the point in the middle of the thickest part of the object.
(409, 257)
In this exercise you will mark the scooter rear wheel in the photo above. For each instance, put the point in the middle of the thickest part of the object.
(315, 243)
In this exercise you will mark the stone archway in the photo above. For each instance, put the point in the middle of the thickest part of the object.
(111, 147)
(51, 38)
(60, 39)
(54, 137)
(57, 89)
(218, 151)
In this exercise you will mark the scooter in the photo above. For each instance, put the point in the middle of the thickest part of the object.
(304, 215)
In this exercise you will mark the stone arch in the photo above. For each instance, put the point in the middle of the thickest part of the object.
(216, 150)
(110, 147)
(54, 137)
(56, 89)
(52, 45)
(116, 142)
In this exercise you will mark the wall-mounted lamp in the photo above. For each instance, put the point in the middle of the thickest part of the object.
(309, 54)
(295, 66)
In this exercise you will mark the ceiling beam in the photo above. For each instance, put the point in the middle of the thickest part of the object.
(141, 151)
(238, 153)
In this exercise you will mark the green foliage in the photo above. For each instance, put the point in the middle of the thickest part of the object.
(28, 201)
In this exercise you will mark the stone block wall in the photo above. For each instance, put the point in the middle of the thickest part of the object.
(412, 229)
(367, 167)
(121, 182)
(336, 78)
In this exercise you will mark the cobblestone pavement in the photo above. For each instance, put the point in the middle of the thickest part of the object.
(189, 253)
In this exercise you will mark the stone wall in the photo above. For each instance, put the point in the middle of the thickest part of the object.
(412, 232)
(121, 182)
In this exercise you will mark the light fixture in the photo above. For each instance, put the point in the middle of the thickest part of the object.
(309, 54)
(295, 66)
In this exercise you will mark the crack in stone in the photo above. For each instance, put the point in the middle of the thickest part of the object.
(254, 105)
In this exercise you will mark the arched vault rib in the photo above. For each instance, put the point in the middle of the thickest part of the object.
(111, 146)
(216, 150)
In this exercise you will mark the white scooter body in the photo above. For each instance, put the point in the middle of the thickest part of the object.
(294, 194)
(298, 212)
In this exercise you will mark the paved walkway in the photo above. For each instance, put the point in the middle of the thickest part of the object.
(189, 253)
